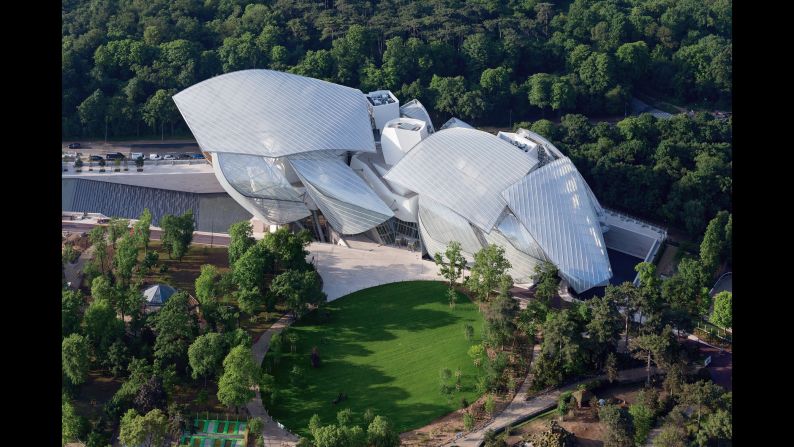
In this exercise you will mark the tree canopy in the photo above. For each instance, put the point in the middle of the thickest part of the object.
(177, 233)
(239, 375)
(122, 62)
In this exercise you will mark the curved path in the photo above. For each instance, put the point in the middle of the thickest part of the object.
(275, 434)
(521, 409)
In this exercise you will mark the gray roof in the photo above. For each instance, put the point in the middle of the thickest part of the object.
(465, 170)
(344, 198)
(455, 122)
(270, 113)
(158, 294)
(554, 205)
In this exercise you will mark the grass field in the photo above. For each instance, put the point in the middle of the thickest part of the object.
(384, 347)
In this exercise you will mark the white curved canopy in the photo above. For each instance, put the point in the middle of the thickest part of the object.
(553, 203)
(348, 203)
(465, 170)
(271, 114)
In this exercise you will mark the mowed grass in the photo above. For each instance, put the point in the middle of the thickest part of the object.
(384, 347)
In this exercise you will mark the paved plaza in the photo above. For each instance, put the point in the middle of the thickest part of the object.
(366, 264)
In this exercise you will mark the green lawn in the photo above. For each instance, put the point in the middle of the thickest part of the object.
(384, 347)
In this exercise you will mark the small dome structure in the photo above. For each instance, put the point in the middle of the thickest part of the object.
(158, 294)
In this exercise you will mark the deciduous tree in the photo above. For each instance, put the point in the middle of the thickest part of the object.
(177, 233)
(240, 240)
(298, 289)
(239, 375)
(206, 354)
(176, 328)
(490, 265)
(452, 269)
(74, 358)
(146, 431)
(722, 315)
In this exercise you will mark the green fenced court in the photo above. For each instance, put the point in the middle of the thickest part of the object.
(215, 433)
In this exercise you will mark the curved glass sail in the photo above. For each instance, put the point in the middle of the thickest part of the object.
(272, 114)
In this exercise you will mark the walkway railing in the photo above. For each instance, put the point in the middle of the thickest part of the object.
(654, 226)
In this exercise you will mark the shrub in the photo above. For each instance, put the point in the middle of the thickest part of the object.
(369, 415)
(463, 402)
(468, 421)
(562, 404)
(468, 331)
(490, 405)
(69, 254)
(344, 416)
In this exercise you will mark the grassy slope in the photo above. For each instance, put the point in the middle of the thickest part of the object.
(384, 347)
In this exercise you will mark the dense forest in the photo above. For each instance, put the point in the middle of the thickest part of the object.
(486, 61)
(676, 171)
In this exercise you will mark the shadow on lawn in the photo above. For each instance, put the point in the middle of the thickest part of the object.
(294, 410)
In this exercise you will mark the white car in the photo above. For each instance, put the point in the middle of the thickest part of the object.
(155, 157)
(169, 157)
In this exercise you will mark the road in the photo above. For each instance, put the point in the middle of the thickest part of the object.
(721, 366)
(199, 237)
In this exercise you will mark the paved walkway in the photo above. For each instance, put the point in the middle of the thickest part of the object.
(521, 409)
(275, 434)
(366, 264)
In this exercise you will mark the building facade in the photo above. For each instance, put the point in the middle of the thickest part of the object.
(329, 158)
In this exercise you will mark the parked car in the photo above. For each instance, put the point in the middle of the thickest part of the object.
(115, 156)
(169, 157)
(198, 156)
(75, 146)
(136, 155)
(155, 157)
(95, 158)
(184, 157)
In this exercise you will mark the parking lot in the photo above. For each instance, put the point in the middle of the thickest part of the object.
(147, 148)
(148, 151)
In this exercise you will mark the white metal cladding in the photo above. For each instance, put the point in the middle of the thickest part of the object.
(553, 204)
(444, 225)
(522, 266)
(465, 170)
(514, 231)
(348, 203)
(454, 122)
(414, 109)
(270, 113)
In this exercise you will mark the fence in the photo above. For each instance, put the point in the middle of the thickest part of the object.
(646, 223)
(712, 330)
